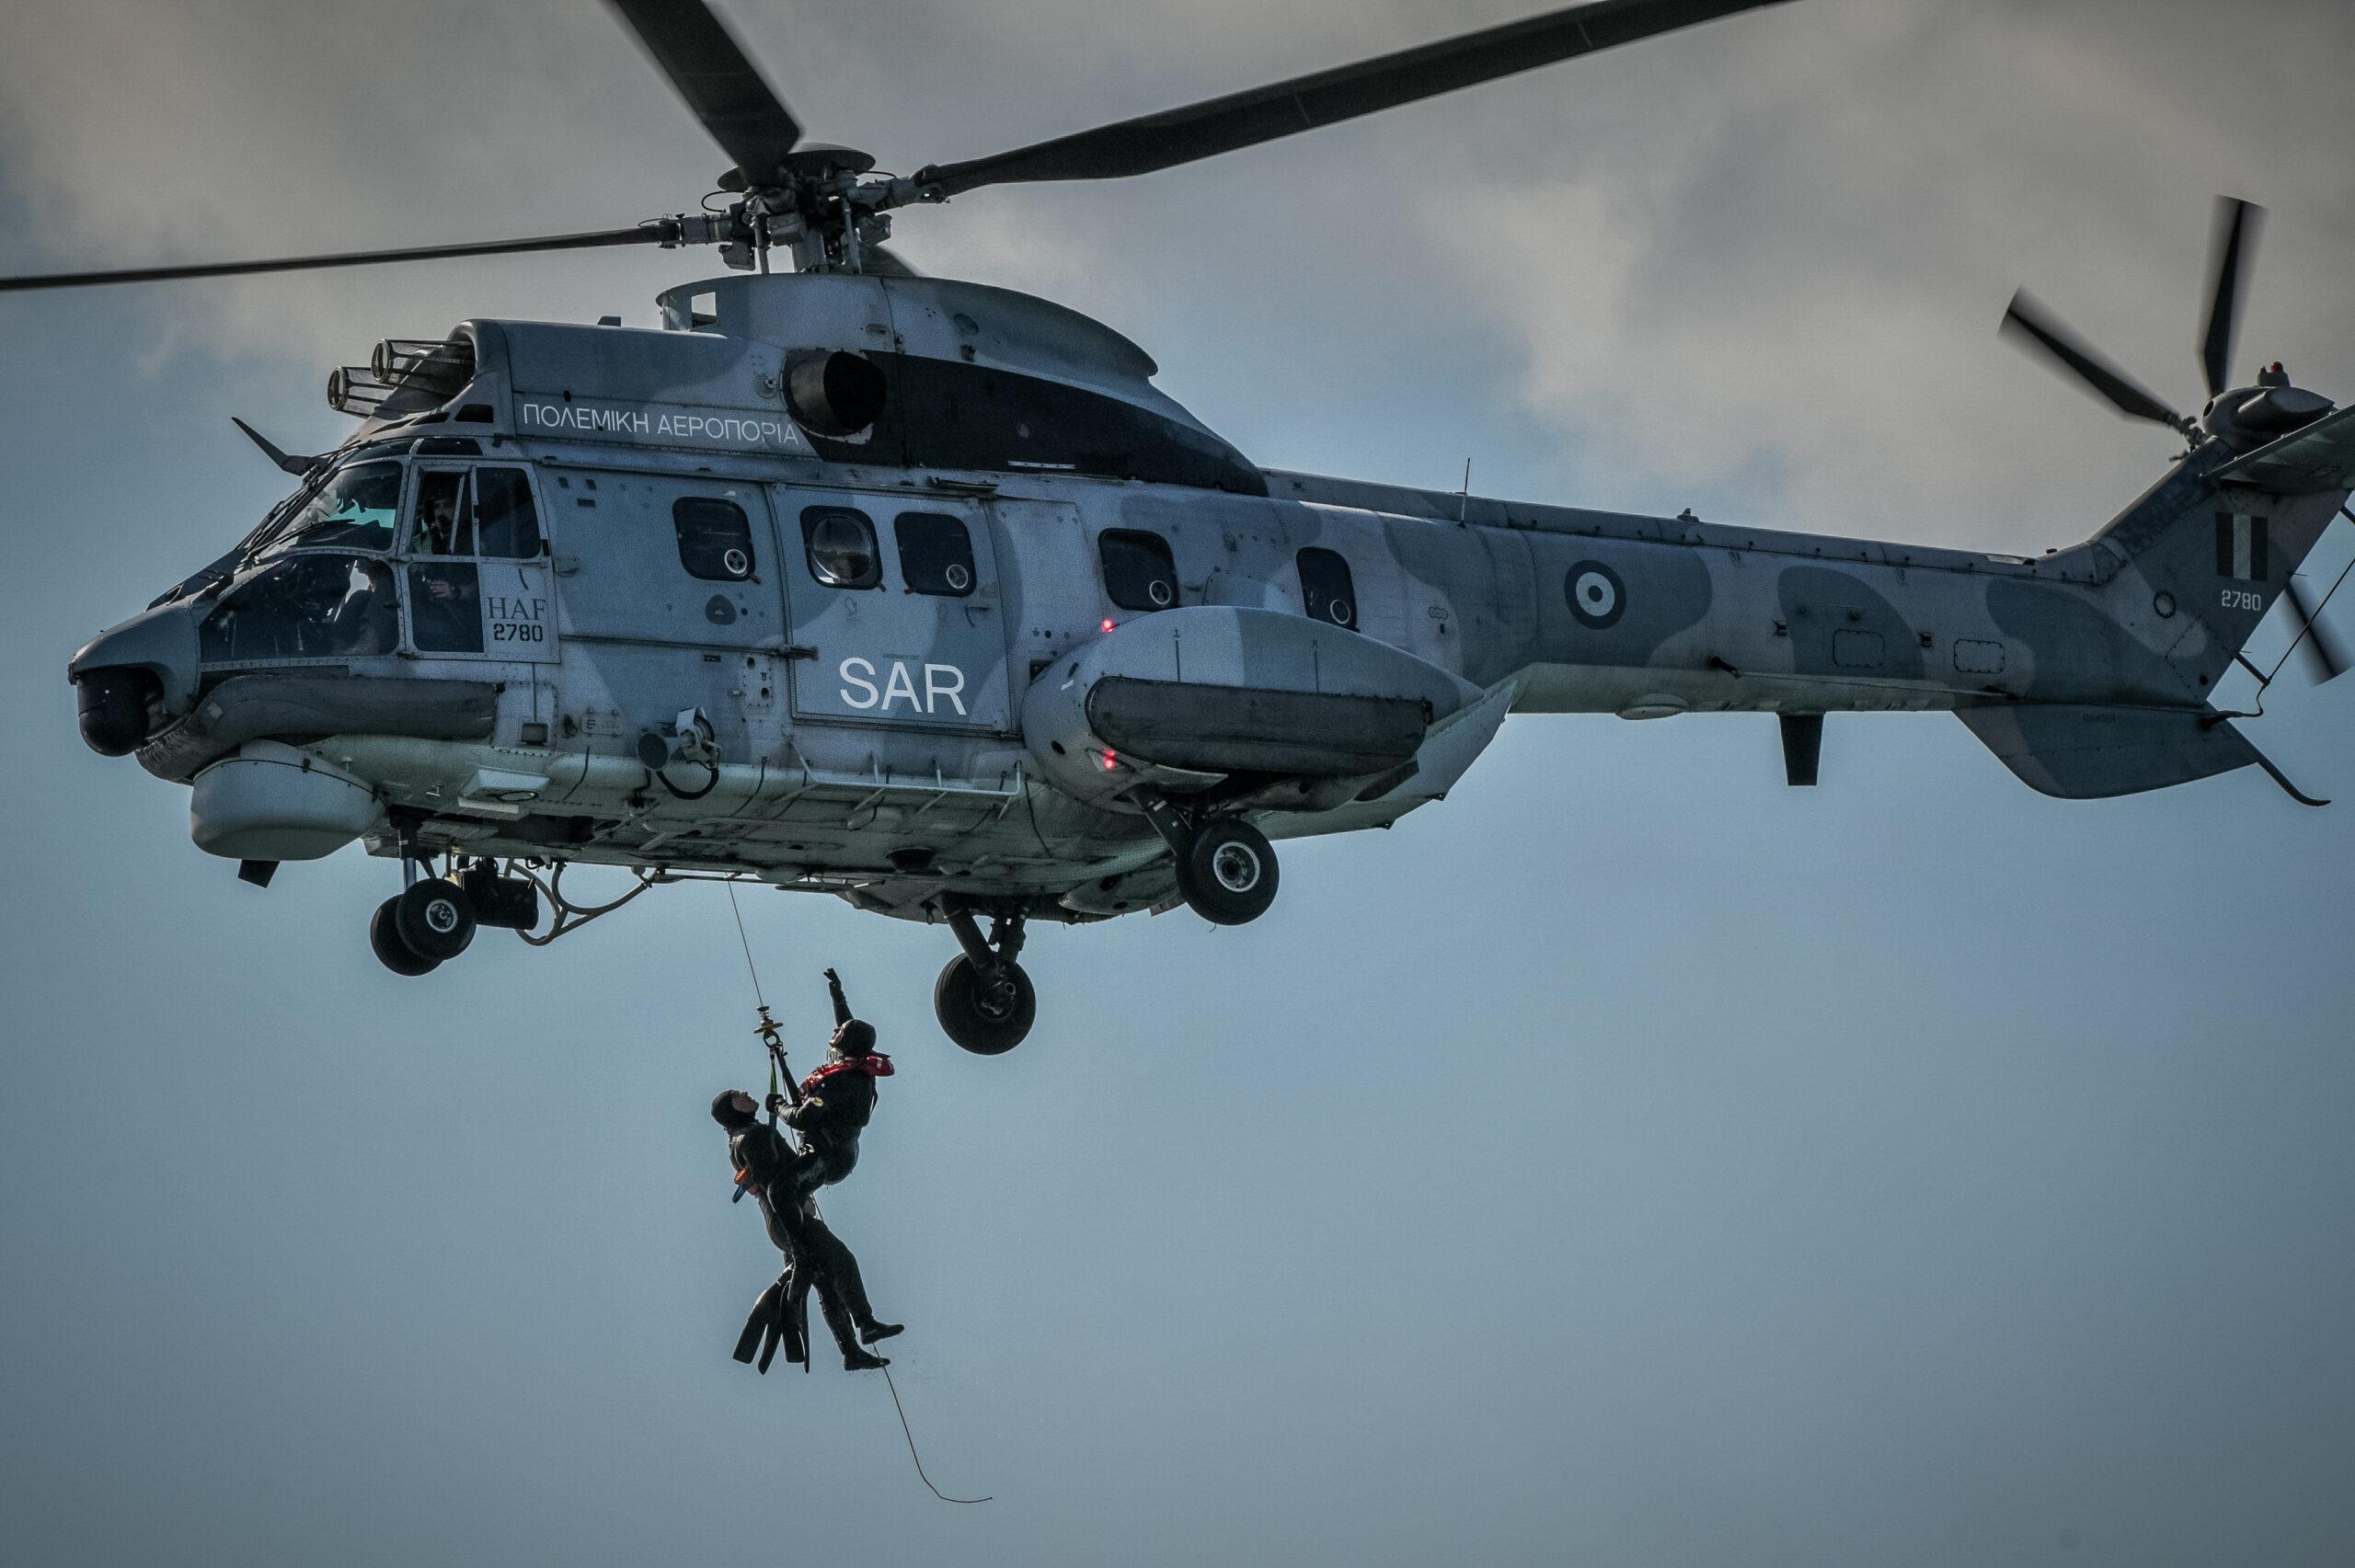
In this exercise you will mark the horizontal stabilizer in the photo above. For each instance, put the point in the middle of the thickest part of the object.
(2090, 754)
(2319, 458)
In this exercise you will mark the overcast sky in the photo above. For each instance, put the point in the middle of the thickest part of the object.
(1628, 1160)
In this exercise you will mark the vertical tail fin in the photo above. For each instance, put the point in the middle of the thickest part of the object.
(2195, 565)
(2187, 574)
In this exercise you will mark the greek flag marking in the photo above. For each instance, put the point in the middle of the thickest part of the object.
(2241, 549)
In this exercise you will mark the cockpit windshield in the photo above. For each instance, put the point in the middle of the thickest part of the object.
(354, 509)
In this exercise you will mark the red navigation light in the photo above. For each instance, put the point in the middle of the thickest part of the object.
(1109, 623)
(1111, 759)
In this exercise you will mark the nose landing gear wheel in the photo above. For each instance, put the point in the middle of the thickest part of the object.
(435, 918)
(384, 936)
(987, 1016)
(1228, 872)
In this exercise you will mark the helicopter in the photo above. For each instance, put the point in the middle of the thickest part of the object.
(921, 593)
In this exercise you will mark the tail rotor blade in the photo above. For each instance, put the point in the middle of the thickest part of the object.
(2324, 653)
(2231, 245)
(2123, 393)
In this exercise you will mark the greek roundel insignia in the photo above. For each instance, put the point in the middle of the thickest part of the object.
(1596, 596)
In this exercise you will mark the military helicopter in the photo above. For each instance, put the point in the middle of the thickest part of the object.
(921, 593)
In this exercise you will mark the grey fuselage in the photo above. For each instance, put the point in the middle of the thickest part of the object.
(884, 739)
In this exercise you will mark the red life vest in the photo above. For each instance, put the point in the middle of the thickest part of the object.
(875, 1064)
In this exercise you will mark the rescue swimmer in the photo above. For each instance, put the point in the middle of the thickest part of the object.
(829, 1110)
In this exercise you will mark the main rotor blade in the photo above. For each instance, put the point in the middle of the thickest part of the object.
(1304, 103)
(710, 70)
(2230, 241)
(645, 233)
(2128, 395)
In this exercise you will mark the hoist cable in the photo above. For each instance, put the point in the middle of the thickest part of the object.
(750, 967)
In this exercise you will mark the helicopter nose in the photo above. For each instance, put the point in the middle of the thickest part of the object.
(127, 676)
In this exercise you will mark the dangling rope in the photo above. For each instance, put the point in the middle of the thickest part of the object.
(911, 1447)
(767, 1030)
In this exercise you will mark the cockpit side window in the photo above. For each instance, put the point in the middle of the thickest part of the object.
(445, 606)
(1138, 572)
(309, 606)
(1324, 588)
(507, 526)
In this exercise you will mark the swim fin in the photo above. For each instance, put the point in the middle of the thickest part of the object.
(748, 1343)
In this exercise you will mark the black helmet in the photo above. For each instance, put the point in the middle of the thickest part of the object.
(855, 1037)
(730, 1114)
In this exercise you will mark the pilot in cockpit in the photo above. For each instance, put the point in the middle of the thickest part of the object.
(437, 518)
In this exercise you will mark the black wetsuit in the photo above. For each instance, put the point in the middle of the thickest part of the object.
(836, 1102)
(815, 1256)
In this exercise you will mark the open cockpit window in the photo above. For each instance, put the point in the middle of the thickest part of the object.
(445, 606)
(486, 511)
(305, 607)
(441, 522)
(352, 509)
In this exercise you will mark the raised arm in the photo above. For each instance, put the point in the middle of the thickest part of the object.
(842, 1004)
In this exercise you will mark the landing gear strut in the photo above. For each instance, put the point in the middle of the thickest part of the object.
(984, 1001)
(1226, 868)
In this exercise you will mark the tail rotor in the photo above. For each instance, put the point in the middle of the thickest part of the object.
(2231, 245)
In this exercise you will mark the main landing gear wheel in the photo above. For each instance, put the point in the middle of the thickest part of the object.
(1228, 873)
(435, 918)
(384, 936)
(987, 1016)
(983, 999)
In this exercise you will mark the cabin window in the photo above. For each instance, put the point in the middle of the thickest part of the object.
(1325, 588)
(506, 524)
(715, 538)
(841, 547)
(1139, 573)
(936, 553)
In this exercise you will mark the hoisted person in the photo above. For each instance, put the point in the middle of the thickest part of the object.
(833, 1106)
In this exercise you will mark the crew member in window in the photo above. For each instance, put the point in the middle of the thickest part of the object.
(368, 620)
(445, 608)
(437, 518)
